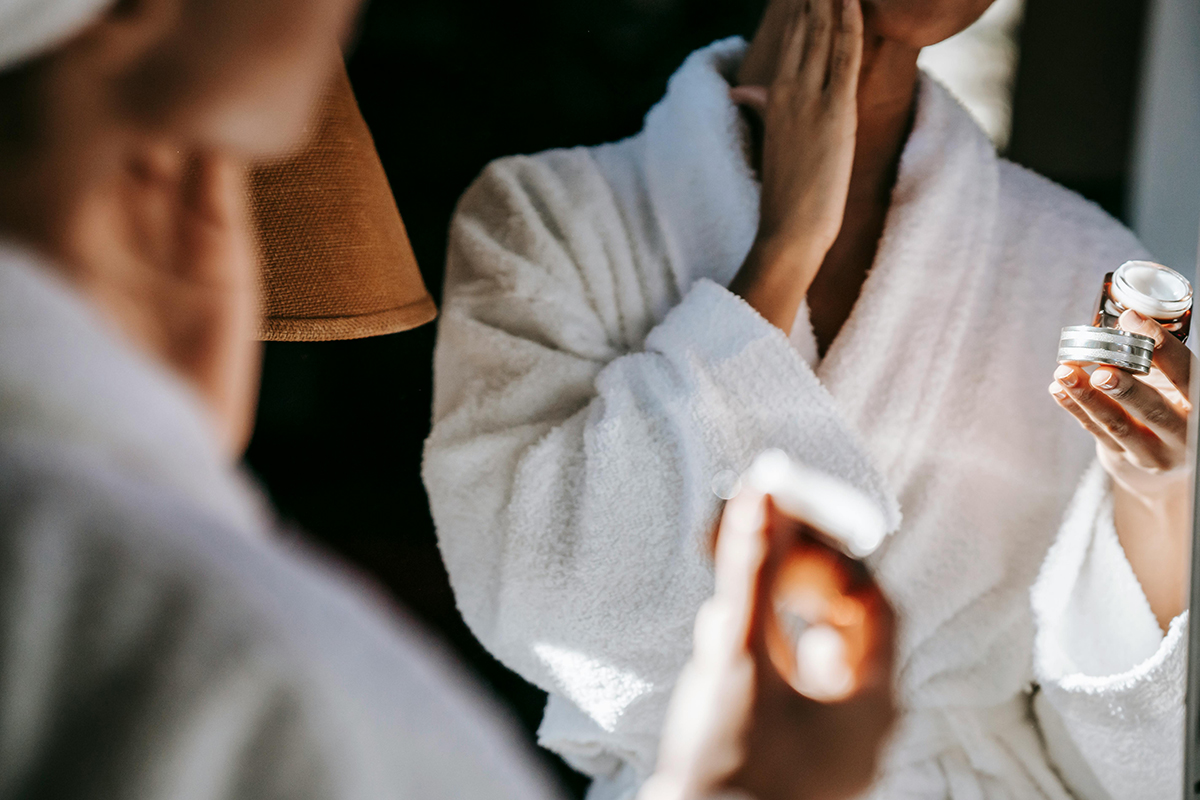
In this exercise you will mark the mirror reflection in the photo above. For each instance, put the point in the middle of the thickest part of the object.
(644, 400)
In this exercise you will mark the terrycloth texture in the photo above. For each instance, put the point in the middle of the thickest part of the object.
(29, 27)
(594, 379)
(1112, 685)
(157, 640)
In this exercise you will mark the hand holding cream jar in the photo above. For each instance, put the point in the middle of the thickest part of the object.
(1152, 290)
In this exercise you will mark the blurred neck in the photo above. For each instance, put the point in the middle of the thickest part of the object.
(54, 152)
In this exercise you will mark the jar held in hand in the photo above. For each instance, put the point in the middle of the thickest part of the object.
(1152, 290)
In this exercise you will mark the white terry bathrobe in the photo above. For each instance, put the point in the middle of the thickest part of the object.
(1104, 665)
(161, 636)
(594, 380)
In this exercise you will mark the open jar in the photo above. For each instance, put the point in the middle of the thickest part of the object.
(1152, 290)
(825, 606)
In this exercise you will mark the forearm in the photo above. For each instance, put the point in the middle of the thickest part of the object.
(775, 277)
(1154, 533)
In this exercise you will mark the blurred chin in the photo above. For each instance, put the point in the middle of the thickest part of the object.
(920, 23)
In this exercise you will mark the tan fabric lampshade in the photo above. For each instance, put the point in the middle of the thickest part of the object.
(336, 261)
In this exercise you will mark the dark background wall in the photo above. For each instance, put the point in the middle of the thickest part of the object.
(448, 85)
(1076, 94)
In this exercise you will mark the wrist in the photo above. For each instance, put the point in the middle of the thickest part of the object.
(789, 251)
(775, 277)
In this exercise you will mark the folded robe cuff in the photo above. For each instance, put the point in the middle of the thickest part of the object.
(1103, 664)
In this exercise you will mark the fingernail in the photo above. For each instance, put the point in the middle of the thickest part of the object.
(1057, 390)
(1104, 379)
(1065, 375)
(1131, 320)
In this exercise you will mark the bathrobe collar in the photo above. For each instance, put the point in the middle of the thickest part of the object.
(935, 241)
(70, 384)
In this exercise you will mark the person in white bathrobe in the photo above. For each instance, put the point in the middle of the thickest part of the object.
(160, 635)
(625, 326)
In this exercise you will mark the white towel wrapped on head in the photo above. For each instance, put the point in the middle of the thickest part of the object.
(31, 27)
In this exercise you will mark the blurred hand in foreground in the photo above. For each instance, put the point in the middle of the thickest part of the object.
(788, 695)
(810, 121)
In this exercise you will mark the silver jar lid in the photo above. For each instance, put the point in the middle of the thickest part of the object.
(1083, 344)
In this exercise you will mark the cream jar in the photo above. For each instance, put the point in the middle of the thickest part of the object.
(1152, 290)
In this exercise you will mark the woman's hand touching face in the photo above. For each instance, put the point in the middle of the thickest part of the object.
(810, 120)
(1140, 426)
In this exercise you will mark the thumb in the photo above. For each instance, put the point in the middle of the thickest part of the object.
(752, 97)
(1170, 355)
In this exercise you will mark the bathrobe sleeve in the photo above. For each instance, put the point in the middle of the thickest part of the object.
(579, 437)
(1111, 700)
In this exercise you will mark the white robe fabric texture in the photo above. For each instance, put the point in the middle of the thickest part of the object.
(159, 640)
(595, 381)
(1113, 687)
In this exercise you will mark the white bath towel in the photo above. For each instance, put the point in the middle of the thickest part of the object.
(29, 27)
(595, 381)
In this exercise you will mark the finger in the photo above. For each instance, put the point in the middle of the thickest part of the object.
(1138, 441)
(846, 61)
(1071, 407)
(1170, 355)
(814, 63)
(795, 36)
(752, 97)
(879, 624)
(741, 554)
(1143, 403)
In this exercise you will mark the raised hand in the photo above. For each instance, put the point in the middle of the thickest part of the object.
(810, 122)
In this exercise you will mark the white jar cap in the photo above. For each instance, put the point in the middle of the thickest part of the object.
(1152, 290)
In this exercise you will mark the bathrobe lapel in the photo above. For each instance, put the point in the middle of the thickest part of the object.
(703, 193)
(907, 324)
(892, 363)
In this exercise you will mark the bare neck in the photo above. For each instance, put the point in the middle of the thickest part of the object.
(887, 93)
(886, 102)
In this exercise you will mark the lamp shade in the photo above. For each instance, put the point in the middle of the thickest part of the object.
(336, 259)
